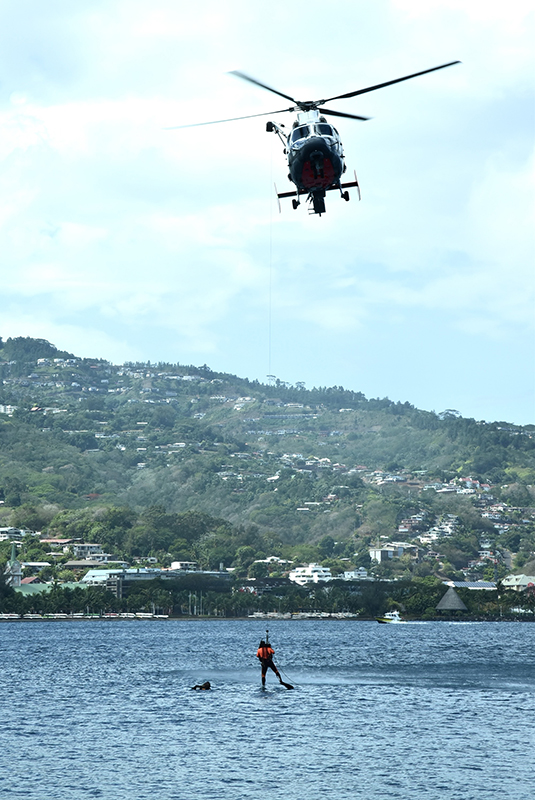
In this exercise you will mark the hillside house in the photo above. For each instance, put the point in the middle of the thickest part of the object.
(10, 534)
(393, 550)
(313, 573)
(35, 566)
(519, 583)
(86, 549)
(358, 574)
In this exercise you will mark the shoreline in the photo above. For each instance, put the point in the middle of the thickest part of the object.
(192, 618)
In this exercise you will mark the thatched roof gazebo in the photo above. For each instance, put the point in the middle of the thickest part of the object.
(451, 602)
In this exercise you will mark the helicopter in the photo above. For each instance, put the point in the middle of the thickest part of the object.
(313, 148)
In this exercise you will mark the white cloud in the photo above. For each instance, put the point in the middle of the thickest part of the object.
(166, 242)
(82, 340)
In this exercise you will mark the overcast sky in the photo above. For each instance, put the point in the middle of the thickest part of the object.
(125, 241)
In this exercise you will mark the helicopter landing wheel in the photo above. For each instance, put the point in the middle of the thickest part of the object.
(295, 203)
(345, 195)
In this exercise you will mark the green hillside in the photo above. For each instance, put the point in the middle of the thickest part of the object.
(271, 466)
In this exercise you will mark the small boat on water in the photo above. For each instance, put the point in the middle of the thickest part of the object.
(389, 617)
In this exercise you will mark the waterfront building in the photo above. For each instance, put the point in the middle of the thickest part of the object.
(451, 602)
(519, 583)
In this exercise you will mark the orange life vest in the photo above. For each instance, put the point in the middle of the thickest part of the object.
(265, 653)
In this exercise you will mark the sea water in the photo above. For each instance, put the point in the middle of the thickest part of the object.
(104, 709)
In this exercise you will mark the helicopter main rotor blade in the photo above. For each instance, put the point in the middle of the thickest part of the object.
(262, 85)
(231, 119)
(331, 113)
(389, 83)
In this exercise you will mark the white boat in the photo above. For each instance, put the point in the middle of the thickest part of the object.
(389, 617)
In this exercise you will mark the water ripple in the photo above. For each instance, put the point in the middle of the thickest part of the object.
(105, 710)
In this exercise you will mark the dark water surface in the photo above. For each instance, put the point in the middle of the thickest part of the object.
(425, 710)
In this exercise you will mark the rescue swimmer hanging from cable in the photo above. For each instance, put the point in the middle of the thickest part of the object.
(313, 148)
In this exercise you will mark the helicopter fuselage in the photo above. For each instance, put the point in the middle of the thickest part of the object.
(315, 159)
(315, 153)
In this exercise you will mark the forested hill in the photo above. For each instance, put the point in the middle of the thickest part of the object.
(301, 462)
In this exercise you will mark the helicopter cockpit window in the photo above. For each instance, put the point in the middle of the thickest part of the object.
(323, 129)
(300, 133)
